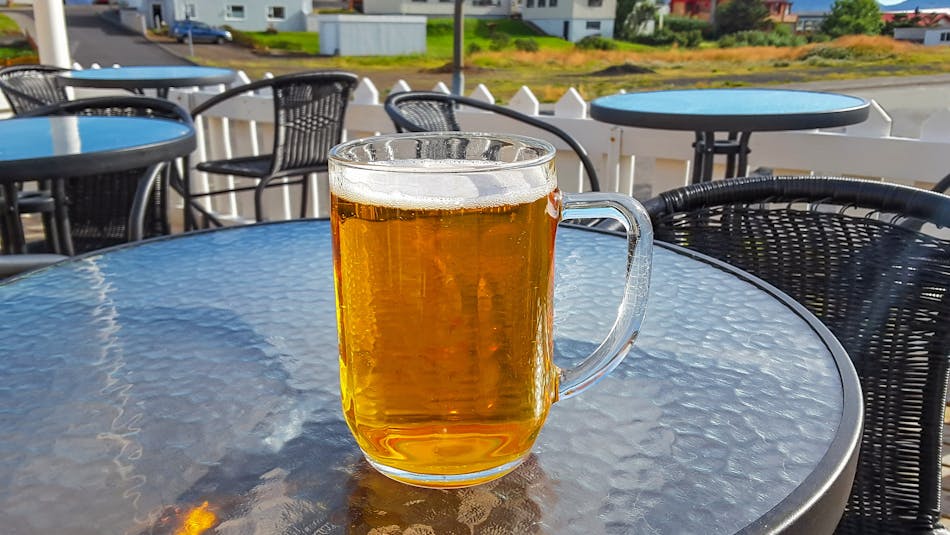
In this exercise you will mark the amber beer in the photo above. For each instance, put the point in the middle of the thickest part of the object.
(445, 333)
(443, 249)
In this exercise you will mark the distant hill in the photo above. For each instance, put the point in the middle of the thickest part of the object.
(819, 6)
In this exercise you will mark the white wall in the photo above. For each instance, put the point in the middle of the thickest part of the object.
(371, 35)
(214, 12)
(937, 37)
(577, 13)
(436, 8)
(577, 28)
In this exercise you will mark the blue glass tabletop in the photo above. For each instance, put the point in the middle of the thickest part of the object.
(725, 109)
(81, 140)
(148, 76)
(200, 373)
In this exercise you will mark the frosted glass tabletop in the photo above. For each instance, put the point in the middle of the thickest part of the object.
(53, 147)
(196, 378)
(731, 109)
(147, 76)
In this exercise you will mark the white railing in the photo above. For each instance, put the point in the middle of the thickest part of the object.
(634, 161)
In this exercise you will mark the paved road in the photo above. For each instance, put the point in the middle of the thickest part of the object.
(94, 40)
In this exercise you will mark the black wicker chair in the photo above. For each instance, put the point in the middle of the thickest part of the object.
(943, 185)
(308, 121)
(856, 254)
(423, 111)
(27, 87)
(105, 210)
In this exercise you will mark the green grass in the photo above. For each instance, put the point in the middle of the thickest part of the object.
(7, 26)
(439, 38)
(308, 42)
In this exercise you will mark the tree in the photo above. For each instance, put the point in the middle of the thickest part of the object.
(742, 15)
(851, 17)
(636, 23)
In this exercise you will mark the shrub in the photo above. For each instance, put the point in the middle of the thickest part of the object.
(474, 47)
(660, 37)
(499, 41)
(760, 38)
(270, 29)
(686, 24)
(527, 45)
(690, 39)
(596, 42)
(828, 52)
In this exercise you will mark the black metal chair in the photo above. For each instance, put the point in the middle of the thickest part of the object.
(943, 185)
(308, 121)
(27, 87)
(866, 259)
(424, 111)
(104, 210)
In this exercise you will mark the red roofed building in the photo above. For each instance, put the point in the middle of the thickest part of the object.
(924, 28)
(779, 10)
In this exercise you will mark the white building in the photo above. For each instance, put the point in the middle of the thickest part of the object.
(247, 15)
(938, 34)
(571, 19)
(438, 8)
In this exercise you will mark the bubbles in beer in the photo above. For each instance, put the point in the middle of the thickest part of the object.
(443, 184)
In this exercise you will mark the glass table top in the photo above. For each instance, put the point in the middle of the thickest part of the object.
(198, 376)
(179, 74)
(731, 101)
(743, 109)
(46, 137)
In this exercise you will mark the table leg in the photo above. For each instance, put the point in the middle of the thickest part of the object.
(699, 155)
(744, 151)
(731, 156)
(61, 219)
(13, 239)
(709, 154)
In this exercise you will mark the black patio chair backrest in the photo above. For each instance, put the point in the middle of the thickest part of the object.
(865, 259)
(425, 111)
(27, 87)
(100, 207)
(309, 109)
(943, 185)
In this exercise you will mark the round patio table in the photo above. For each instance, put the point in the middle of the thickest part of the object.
(138, 78)
(736, 112)
(36, 148)
(194, 381)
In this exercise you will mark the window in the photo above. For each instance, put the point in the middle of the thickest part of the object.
(529, 3)
(552, 3)
(276, 13)
(593, 25)
(595, 3)
(945, 36)
(234, 12)
(541, 3)
(190, 11)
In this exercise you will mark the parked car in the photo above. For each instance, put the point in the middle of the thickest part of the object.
(199, 32)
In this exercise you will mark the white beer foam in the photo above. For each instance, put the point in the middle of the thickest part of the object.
(464, 184)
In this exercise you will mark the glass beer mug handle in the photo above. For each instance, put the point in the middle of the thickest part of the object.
(630, 314)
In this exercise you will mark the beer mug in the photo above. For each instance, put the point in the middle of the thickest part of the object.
(443, 248)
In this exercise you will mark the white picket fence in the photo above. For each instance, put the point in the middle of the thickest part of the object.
(639, 162)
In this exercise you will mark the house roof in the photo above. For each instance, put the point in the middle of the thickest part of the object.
(920, 19)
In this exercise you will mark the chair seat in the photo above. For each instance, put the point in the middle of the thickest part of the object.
(249, 166)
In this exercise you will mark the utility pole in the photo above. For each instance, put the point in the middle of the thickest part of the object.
(458, 76)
